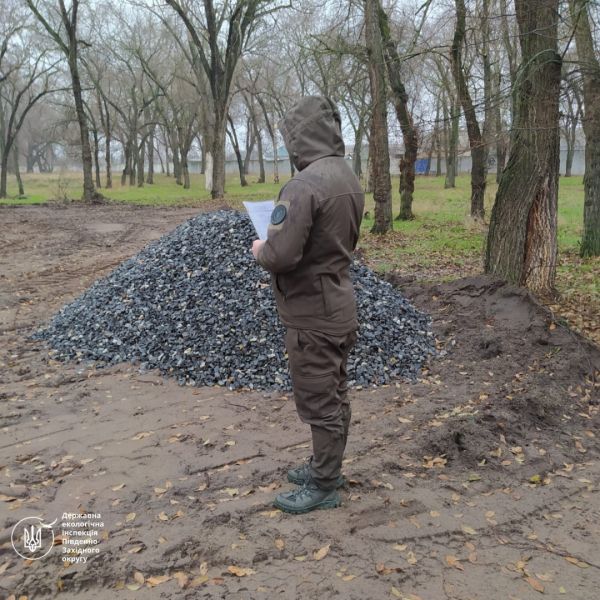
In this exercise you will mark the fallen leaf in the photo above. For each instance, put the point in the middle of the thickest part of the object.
(322, 553)
(452, 561)
(133, 586)
(577, 562)
(116, 488)
(300, 558)
(142, 435)
(153, 581)
(411, 559)
(348, 577)
(182, 578)
(396, 592)
(545, 576)
(163, 516)
(199, 580)
(400, 547)
(159, 490)
(279, 544)
(130, 517)
(137, 576)
(240, 571)
(231, 491)
(469, 530)
(535, 584)
(383, 570)
(135, 550)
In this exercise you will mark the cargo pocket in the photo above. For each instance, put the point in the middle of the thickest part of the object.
(315, 397)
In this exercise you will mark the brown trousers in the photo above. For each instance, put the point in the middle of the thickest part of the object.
(318, 370)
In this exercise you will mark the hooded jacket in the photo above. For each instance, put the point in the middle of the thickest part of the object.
(315, 224)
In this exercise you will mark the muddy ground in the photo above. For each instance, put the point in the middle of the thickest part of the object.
(479, 481)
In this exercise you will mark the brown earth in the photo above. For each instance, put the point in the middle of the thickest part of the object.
(479, 481)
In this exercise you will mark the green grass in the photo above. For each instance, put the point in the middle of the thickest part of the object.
(40, 188)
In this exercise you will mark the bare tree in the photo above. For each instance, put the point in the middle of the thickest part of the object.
(219, 35)
(522, 238)
(64, 33)
(590, 68)
(379, 154)
(478, 181)
(24, 80)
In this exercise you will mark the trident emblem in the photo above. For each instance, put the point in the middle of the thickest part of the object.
(32, 540)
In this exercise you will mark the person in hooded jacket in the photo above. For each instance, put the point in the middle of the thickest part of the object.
(313, 231)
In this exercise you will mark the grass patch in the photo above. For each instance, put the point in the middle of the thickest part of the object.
(41, 188)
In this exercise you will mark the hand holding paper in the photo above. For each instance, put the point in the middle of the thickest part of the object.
(260, 215)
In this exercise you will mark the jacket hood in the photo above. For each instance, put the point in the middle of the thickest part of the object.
(312, 130)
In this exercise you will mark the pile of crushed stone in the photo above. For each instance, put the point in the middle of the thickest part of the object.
(196, 306)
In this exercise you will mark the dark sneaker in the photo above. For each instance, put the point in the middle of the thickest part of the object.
(301, 474)
(307, 497)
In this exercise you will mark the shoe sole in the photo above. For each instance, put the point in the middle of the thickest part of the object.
(300, 481)
(300, 511)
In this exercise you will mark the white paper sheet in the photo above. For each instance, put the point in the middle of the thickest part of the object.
(260, 215)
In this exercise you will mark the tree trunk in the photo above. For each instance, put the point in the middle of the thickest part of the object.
(570, 141)
(150, 155)
(475, 139)
(133, 159)
(140, 163)
(96, 158)
(3, 174)
(218, 154)
(275, 161)
(356, 157)
(379, 154)
(236, 148)
(208, 171)
(590, 69)
(522, 240)
(185, 171)
(438, 151)
(250, 141)
(261, 159)
(89, 191)
(107, 160)
(203, 156)
(126, 162)
(18, 170)
(452, 158)
(174, 140)
(409, 131)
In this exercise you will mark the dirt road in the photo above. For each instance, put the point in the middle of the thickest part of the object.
(480, 481)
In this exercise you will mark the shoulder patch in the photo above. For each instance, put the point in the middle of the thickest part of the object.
(279, 214)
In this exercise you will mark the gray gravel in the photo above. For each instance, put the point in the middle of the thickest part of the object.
(196, 306)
